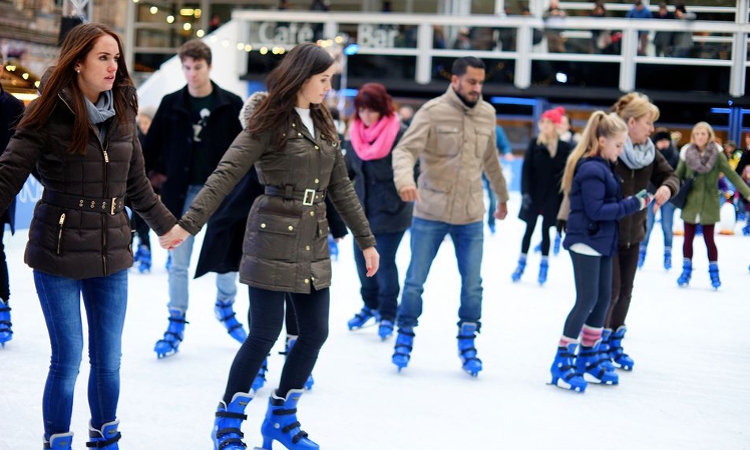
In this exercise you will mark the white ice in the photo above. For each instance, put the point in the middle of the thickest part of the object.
(689, 389)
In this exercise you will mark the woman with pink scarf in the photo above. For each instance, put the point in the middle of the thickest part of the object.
(375, 131)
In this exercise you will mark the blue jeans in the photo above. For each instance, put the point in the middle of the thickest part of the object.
(426, 237)
(667, 220)
(381, 291)
(226, 283)
(105, 300)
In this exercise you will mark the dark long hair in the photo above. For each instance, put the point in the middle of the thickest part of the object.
(284, 82)
(77, 45)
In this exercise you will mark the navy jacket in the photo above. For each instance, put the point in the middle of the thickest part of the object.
(596, 205)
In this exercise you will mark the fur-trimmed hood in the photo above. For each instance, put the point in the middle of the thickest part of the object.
(250, 104)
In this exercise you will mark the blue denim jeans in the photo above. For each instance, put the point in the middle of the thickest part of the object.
(667, 221)
(426, 237)
(105, 300)
(226, 283)
(381, 291)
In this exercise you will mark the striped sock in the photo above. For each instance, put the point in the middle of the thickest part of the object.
(565, 341)
(590, 335)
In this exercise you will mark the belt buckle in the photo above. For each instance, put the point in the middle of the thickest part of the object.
(113, 206)
(309, 197)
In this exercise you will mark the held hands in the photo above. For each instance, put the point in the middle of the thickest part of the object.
(372, 260)
(644, 198)
(662, 196)
(409, 194)
(502, 211)
(173, 237)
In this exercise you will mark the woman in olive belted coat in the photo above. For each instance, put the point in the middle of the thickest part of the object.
(291, 140)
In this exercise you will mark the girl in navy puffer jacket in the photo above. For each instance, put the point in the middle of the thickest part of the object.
(596, 204)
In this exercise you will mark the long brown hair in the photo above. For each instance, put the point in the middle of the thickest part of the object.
(77, 45)
(284, 82)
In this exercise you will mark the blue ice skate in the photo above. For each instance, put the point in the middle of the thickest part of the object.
(170, 344)
(403, 347)
(466, 349)
(333, 248)
(385, 329)
(361, 318)
(59, 441)
(260, 377)
(516, 276)
(143, 258)
(281, 424)
(543, 268)
(290, 341)
(226, 433)
(225, 314)
(563, 370)
(592, 368)
(556, 245)
(687, 271)
(620, 359)
(6, 327)
(106, 438)
(713, 272)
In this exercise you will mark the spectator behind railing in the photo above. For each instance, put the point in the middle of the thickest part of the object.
(663, 39)
(683, 40)
(463, 40)
(438, 37)
(640, 11)
(555, 40)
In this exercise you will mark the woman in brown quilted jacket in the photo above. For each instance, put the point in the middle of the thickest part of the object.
(292, 141)
(80, 135)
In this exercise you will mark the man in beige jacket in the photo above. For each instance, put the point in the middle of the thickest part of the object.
(453, 138)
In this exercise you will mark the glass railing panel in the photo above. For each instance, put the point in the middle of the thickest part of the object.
(709, 79)
(496, 70)
(575, 74)
(388, 67)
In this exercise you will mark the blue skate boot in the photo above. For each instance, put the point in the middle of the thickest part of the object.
(591, 367)
(260, 377)
(281, 424)
(385, 329)
(604, 350)
(641, 256)
(563, 370)
(516, 276)
(143, 257)
(538, 248)
(6, 330)
(106, 438)
(333, 248)
(556, 245)
(290, 341)
(173, 336)
(226, 433)
(361, 318)
(225, 314)
(620, 359)
(543, 267)
(59, 441)
(667, 258)
(687, 271)
(713, 272)
(466, 349)
(403, 347)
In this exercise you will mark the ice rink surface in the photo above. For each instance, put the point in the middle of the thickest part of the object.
(689, 389)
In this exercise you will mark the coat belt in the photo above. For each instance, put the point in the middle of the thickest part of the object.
(308, 196)
(111, 206)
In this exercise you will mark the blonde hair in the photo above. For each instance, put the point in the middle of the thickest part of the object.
(635, 105)
(705, 126)
(600, 124)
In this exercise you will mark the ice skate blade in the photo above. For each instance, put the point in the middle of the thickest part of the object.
(560, 383)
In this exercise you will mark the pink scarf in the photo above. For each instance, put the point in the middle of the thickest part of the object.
(375, 142)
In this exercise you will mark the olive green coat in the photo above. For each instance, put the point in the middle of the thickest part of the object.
(286, 242)
(702, 204)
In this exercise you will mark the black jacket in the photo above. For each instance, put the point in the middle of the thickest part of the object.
(11, 110)
(170, 140)
(540, 179)
(83, 241)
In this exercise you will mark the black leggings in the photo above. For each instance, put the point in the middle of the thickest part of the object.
(593, 277)
(267, 312)
(623, 276)
(708, 237)
(530, 225)
(4, 280)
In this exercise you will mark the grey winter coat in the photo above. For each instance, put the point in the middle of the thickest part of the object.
(83, 241)
(286, 239)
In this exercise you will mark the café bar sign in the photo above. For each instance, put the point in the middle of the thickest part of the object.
(368, 35)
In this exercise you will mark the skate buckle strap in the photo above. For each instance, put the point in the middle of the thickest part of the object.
(297, 437)
(284, 412)
(233, 441)
(231, 415)
(104, 443)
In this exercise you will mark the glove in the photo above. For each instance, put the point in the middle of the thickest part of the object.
(644, 198)
(526, 201)
(562, 226)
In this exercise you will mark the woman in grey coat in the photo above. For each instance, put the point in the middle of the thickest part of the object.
(292, 141)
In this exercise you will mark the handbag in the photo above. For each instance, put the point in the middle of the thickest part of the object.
(680, 197)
